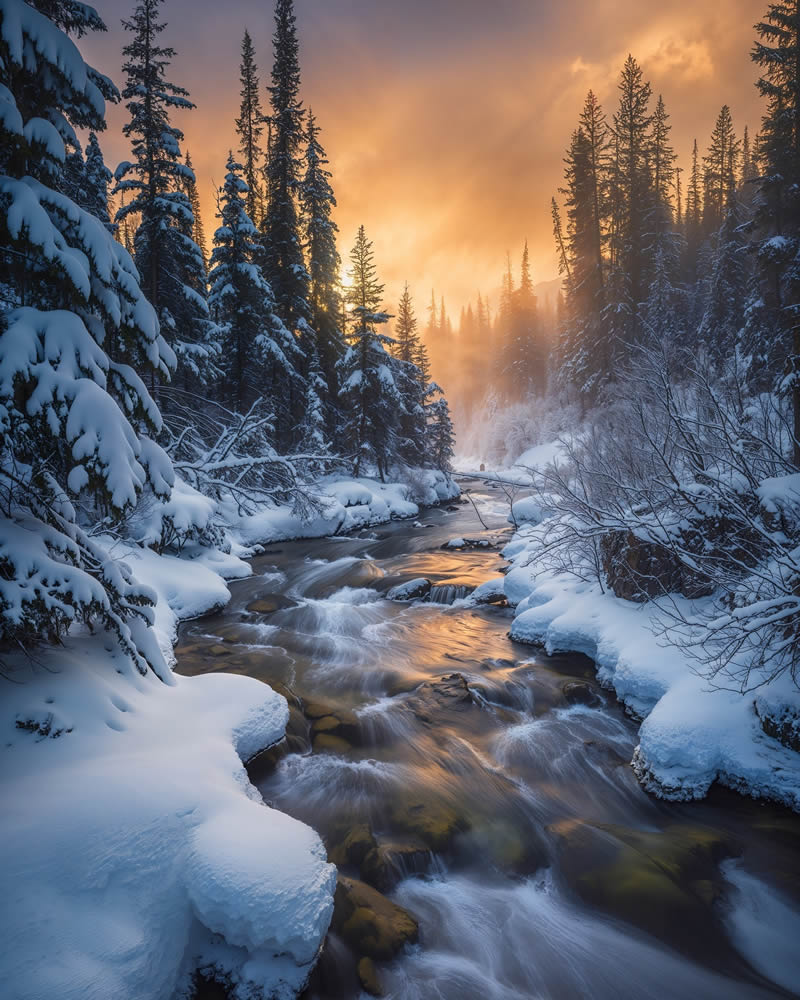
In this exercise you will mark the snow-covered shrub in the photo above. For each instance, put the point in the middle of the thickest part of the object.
(76, 335)
(684, 483)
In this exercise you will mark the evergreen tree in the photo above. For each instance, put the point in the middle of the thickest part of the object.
(410, 384)
(730, 280)
(76, 421)
(441, 435)
(405, 329)
(774, 313)
(250, 128)
(258, 352)
(324, 263)
(369, 395)
(313, 442)
(168, 259)
(720, 171)
(284, 267)
(197, 230)
(98, 177)
(632, 179)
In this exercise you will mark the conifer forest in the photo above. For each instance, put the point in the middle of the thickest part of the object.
(400, 594)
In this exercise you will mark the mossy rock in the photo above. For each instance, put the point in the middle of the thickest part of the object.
(369, 978)
(434, 823)
(663, 882)
(326, 743)
(372, 925)
(353, 847)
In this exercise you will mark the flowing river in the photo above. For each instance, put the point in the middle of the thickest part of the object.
(485, 788)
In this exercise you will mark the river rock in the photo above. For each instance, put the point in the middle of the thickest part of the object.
(412, 590)
(354, 847)
(447, 693)
(327, 743)
(369, 978)
(340, 723)
(270, 603)
(389, 863)
(581, 693)
(432, 822)
(371, 924)
(664, 882)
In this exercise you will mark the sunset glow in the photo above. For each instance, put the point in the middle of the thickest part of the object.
(446, 123)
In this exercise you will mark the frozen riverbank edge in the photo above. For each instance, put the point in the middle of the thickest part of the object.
(691, 735)
(137, 852)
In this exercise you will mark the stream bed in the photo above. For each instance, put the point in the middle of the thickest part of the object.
(477, 796)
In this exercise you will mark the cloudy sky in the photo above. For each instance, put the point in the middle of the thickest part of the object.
(446, 120)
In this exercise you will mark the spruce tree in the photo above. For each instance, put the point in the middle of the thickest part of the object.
(250, 128)
(410, 384)
(76, 421)
(314, 450)
(284, 266)
(197, 229)
(319, 230)
(632, 123)
(720, 171)
(98, 177)
(774, 313)
(169, 261)
(724, 314)
(369, 396)
(258, 353)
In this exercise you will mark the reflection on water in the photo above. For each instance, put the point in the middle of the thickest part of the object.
(499, 776)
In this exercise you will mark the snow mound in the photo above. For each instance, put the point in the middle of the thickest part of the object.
(174, 862)
(346, 505)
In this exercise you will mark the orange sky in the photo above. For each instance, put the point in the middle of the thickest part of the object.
(446, 122)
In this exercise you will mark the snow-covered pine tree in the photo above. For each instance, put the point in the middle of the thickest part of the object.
(76, 335)
(324, 263)
(411, 421)
(314, 451)
(773, 328)
(284, 266)
(440, 435)
(257, 350)
(369, 397)
(98, 178)
(250, 128)
(724, 314)
(197, 230)
(632, 182)
(169, 261)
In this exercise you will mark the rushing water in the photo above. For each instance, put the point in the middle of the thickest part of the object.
(533, 861)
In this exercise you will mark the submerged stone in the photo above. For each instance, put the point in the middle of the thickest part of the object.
(372, 925)
(369, 978)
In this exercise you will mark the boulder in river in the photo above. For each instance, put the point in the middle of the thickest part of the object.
(412, 590)
(270, 603)
(433, 822)
(369, 978)
(372, 925)
(450, 691)
(581, 693)
(387, 864)
(354, 847)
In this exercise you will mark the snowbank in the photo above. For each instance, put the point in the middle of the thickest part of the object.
(347, 504)
(691, 736)
(136, 849)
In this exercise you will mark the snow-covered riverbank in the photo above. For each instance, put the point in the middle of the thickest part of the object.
(136, 849)
(691, 734)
